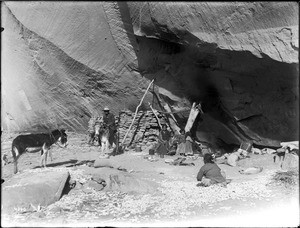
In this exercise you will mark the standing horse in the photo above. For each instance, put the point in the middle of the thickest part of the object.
(41, 142)
(95, 134)
(103, 136)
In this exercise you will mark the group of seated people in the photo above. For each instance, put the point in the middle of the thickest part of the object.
(170, 144)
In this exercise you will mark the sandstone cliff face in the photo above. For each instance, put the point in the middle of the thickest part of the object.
(63, 61)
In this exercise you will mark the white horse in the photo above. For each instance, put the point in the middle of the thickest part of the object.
(102, 133)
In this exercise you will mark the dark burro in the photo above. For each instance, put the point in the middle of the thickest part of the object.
(42, 142)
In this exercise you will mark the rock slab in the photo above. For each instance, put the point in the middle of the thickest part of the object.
(117, 180)
(31, 189)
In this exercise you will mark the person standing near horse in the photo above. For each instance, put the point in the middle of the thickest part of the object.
(109, 121)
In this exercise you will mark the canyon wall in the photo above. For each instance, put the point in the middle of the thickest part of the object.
(64, 61)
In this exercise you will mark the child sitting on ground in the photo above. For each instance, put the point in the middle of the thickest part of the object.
(210, 173)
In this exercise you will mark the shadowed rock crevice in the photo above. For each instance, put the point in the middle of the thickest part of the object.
(231, 85)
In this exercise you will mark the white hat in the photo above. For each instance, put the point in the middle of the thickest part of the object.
(106, 109)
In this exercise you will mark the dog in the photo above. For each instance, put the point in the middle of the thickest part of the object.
(42, 142)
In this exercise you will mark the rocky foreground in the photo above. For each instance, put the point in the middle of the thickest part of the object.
(131, 190)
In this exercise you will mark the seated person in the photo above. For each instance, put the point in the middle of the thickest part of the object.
(181, 142)
(173, 143)
(185, 146)
(188, 150)
(210, 173)
(163, 140)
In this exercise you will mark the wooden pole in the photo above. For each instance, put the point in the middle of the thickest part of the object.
(165, 106)
(136, 111)
(168, 109)
(155, 115)
(172, 119)
(193, 115)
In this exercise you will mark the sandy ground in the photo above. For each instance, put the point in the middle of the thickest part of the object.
(249, 200)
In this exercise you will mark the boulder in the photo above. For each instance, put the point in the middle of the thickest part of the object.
(268, 151)
(232, 159)
(94, 185)
(103, 162)
(256, 151)
(31, 189)
(126, 182)
(281, 150)
(117, 180)
(242, 153)
(98, 179)
(292, 145)
(251, 170)
(291, 162)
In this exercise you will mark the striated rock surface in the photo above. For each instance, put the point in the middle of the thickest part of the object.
(260, 28)
(64, 61)
(68, 65)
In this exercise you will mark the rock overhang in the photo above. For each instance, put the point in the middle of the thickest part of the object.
(239, 59)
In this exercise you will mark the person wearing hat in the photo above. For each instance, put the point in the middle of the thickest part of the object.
(109, 120)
